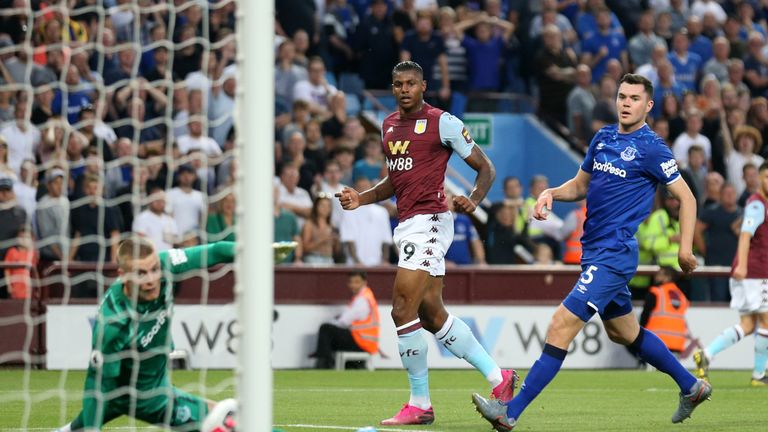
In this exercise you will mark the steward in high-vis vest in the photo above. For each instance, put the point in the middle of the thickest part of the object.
(663, 235)
(664, 311)
(356, 329)
(575, 219)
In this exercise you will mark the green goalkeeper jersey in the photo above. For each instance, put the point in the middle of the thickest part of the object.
(130, 335)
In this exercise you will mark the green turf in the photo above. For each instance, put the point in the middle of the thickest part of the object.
(626, 401)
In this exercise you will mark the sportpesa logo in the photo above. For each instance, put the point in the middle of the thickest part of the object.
(608, 167)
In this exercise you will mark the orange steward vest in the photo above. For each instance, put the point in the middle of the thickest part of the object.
(365, 332)
(572, 253)
(667, 319)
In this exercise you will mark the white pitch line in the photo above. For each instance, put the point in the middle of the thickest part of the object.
(384, 429)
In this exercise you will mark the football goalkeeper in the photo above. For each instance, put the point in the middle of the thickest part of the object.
(128, 369)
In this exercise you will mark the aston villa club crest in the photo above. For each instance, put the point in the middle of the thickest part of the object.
(629, 154)
(421, 126)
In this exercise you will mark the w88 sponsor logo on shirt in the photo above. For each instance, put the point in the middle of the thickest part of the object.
(400, 164)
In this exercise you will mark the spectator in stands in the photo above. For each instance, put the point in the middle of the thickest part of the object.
(714, 183)
(286, 227)
(758, 117)
(587, 21)
(365, 232)
(663, 233)
(94, 218)
(319, 240)
(69, 104)
(300, 116)
(603, 45)
(222, 104)
(287, 73)
(19, 280)
(549, 15)
(685, 63)
(650, 70)
(294, 154)
(695, 172)
(751, 183)
(455, 52)
(186, 204)
(716, 238)
(571, 231)
(699, 43)
(98, 134)
(580, 104)
(52, 215)
(746, 14)
(301, 41)
(137, 130)
(355, 329)
(188, 56)
(12, 215)
(41, 109)
(5, 169)
(744, 148)
(467, 247)
(700, 8)
(666, 85)
(426, 47)
(291, 197)
(377, 48)
(664, 310)
(126, 59)
(155, 224)
(20, 135)
(756, 65)
(556, 72)
(543, 255)
(345, 156)
(504, 237)
(330, 184)
(221, 222)
(692, 136)
(315, 90)
(26, 188)
(404, 19)
(339, 26)
(372, 165)
(664, 28)
(718, 64)
(736, 76)
(604, 112)
(196, 140)
(547, 231)
(315, 150)
(485, 52)
(642, 44)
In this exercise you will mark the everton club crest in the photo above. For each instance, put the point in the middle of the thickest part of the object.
(421, 126)
(629, 154)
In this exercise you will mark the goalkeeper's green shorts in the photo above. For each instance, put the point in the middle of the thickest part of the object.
(163, 405)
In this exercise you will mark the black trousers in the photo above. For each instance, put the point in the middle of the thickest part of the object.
(332, 338)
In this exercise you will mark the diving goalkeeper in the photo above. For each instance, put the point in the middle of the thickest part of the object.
(128, 369)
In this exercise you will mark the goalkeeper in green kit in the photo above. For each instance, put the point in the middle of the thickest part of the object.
(128, 368)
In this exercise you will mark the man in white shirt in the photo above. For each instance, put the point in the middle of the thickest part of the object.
(331, 184)
(186, 204)
(293, 198)
(316, 91)
(22, 137)
(195, 140)
(691, 136)
(365, 232)
(155, 224)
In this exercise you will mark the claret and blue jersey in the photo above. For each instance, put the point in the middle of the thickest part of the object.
(625, 170)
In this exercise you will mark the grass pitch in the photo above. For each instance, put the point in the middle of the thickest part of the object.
(327, 401)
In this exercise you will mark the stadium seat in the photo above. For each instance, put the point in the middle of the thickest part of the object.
(179, 359)
(353, 104)
(342, 357)
(351, 84)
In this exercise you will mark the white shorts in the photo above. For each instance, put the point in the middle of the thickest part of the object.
(749, 295)
(423, 241)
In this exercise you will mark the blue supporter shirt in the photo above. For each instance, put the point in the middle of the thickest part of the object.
(484, 60)
(686, 70)
(625, 170)
(616, 43)
(658, 97)
(702, 46)
(425, 53)
(463, 235)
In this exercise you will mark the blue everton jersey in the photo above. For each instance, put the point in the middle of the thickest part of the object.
(625, 169)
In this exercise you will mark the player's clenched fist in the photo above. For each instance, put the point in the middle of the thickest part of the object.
(687, 262)
(349, 198)
(463, 204)
(543, 205)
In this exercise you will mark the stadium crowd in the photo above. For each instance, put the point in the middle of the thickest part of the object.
(118, 117)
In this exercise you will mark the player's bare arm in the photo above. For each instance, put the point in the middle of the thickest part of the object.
(742, 256)
(351, 199)
(685, 256)
(486, 173)
(574, 189)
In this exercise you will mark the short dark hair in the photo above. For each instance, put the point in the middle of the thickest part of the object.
(408, 66)
(638, 79)
(361, 273)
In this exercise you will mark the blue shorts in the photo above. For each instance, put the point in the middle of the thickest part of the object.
(600, 289)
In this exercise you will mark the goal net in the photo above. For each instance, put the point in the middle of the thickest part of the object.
(117, 118)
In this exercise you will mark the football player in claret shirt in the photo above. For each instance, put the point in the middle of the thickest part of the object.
(418, 140)
(749, 287)
(128, 370)
(624, 164)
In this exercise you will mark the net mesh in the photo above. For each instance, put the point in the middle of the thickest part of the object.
(114, 103)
